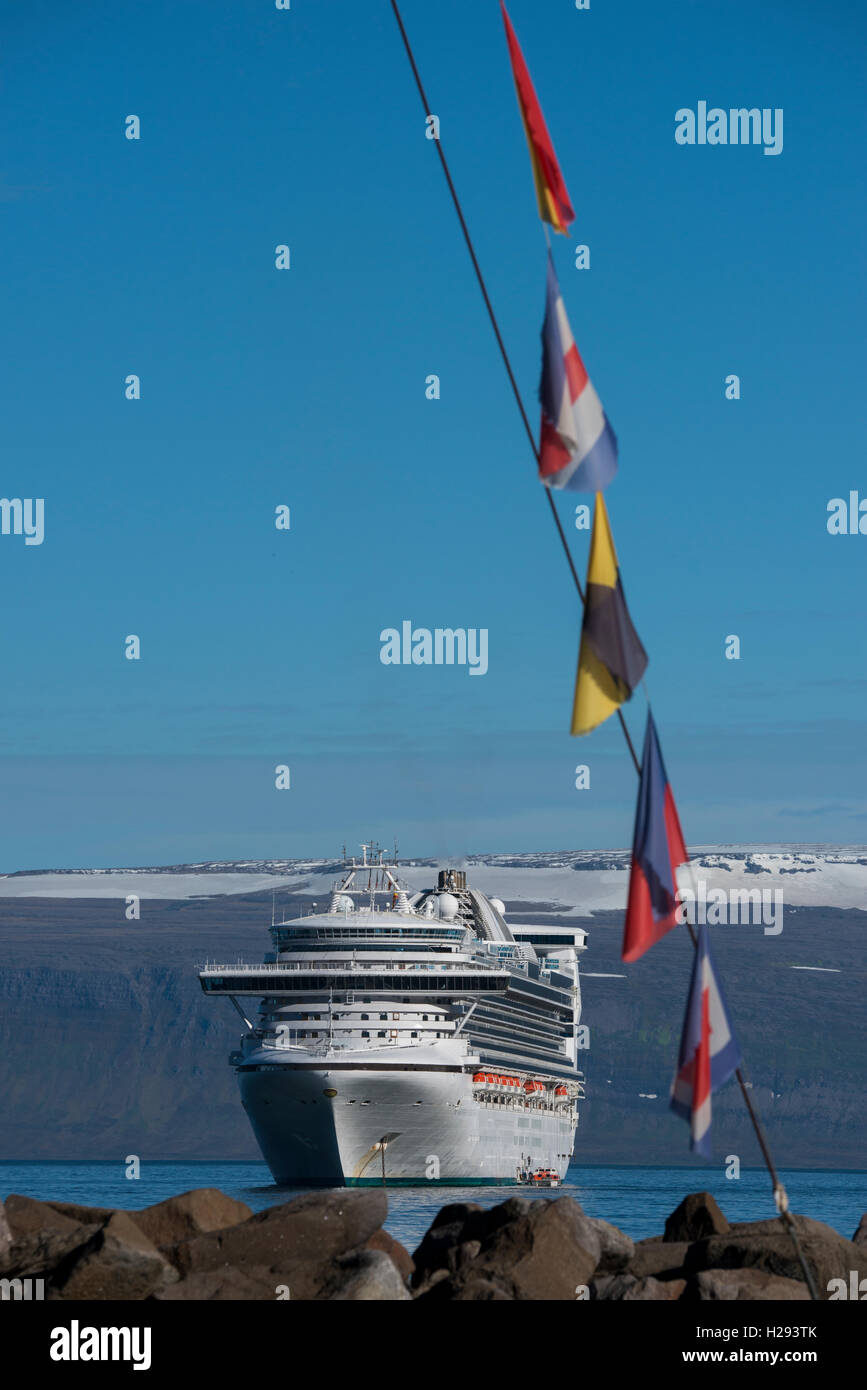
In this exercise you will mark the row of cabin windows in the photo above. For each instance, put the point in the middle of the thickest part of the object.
(317, 1018)
(365, 1034)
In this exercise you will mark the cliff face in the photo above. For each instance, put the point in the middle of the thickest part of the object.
(109, 1047)
(801, 1034)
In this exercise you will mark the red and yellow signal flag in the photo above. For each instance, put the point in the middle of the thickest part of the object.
(551, 191)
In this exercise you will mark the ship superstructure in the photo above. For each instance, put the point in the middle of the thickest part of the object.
(411, 1038)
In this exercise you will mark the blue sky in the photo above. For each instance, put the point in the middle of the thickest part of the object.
(306, 387)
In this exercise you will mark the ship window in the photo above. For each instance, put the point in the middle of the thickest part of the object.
(424, 1016)
(383, 1016)
(365, 1016)
(365, 1034)
(413, 1035)
(381, 1034)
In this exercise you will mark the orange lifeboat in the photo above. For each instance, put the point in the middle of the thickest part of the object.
(545, 1177)
(561, 1093)
(533, 1087)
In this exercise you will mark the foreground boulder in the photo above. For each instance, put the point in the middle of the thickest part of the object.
(40, 1237)
(659, 1259)
(627, 1289)
(190, 1214)
(767, 1246)
(726, 1285)
(527, 1249)
(703, 1258)
(205, 1245)
(368, 1275)
(331, 1246)
(290, 1251)
(81, 1252)
(117, 1262)
(617, 1249)
(697, 1216)
(5, 1234)
(397, 1253)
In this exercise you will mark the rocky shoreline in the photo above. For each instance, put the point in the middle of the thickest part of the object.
(332, 1245)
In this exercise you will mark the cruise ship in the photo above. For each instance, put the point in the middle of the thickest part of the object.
(410, 1038)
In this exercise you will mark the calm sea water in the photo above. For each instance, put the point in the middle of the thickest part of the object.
(635, 1199)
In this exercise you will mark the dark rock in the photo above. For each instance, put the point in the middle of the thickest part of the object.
(617, 1247)
(190, 1214)
(296, 1242)
(40, 1236)
(479, 1288)
(223, 1284)
(527, 1249)
(718, 1285)
(627, 1289)
(26, 1216)
(655, 1290)
(5, 1234)
(766, 1245)
(84, 1216)
(697, 1216)
(118, 1262)
(611, 1286)
(860, 1236)
(659, 1259)
(450, 1228)
(368, 1275)
(402, 1259)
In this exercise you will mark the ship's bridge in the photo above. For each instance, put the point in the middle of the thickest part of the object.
(363, 929)
(365, 915)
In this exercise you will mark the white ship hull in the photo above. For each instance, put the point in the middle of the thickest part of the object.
(423, 1041)
(435, 1129)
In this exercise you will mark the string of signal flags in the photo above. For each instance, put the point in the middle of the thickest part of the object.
(577, 451)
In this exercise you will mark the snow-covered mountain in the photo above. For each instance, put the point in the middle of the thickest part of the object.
(568, 881)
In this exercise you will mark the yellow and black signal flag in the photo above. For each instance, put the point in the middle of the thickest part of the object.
(612, 660)
(551, 192)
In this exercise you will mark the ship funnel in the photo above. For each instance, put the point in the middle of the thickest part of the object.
(452, 880)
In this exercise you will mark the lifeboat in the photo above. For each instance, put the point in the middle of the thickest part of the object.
(545, 1177)
(561, 1093)
(533, 1088)
(478, 1078)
